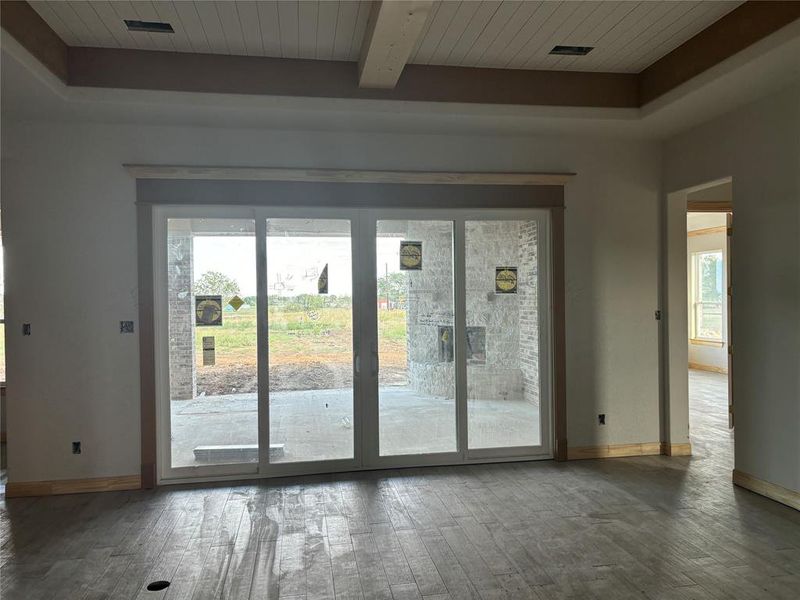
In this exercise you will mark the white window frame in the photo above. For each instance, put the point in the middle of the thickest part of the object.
(696, 301)
(366, 446)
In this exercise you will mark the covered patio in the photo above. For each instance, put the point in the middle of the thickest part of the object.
(318, 425)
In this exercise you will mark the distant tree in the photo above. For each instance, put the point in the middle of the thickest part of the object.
(216, 283)
(392, 287)
(711, 277)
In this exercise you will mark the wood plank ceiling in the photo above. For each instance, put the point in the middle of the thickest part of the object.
(628, 36)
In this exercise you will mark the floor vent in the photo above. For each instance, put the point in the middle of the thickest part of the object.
(157, 586)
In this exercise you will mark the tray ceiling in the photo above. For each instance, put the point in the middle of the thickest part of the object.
(627, 36)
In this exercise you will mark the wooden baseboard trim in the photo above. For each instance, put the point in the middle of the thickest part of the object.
(668, 449)
(22, 489)
(614, 451)
(699, 367)
(765, 488)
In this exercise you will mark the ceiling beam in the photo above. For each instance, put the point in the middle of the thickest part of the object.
(392, 32)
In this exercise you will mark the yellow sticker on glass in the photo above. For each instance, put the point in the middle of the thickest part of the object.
(410, 256)
(505, 280)
(236, 303)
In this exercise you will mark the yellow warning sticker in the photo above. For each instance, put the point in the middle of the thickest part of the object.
(236, 303)
(410, 256)
(505, 280)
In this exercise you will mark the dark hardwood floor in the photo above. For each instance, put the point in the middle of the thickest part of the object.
(656, 528)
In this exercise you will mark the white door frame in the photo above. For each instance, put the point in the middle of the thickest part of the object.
(267, 469)
(165, 472)
(365, 401)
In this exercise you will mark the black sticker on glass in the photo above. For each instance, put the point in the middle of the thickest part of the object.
(208, 310)
(322, 282)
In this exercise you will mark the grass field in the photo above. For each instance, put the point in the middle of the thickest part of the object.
(298, 337)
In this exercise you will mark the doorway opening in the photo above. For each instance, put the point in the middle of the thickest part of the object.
(708, 243)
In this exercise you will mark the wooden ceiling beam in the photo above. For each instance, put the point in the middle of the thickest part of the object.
(392, 32)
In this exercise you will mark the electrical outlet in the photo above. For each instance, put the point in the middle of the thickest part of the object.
(126, 326)
(76, 447)
(601, 418)
(26, 329)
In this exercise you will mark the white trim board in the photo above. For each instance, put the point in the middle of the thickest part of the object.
(344, 175)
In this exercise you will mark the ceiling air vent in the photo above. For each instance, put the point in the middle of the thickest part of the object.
(149, 26)
(571, 50)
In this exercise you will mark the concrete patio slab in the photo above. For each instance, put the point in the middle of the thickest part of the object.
(318, 424)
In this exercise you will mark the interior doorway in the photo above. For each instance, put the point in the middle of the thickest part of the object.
(294, 341)
(708, 243)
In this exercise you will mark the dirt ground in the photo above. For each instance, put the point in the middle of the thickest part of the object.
(242, 379)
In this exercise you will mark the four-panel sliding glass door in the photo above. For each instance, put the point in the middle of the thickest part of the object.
(293, 341)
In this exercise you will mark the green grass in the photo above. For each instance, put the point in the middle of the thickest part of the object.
(295, 336)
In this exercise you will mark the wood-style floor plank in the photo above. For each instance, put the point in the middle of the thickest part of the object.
(650, 528)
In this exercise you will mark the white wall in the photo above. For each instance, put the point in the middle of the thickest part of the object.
(759, 146)
(70, 234)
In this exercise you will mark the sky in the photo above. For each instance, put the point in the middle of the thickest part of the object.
(293, 263)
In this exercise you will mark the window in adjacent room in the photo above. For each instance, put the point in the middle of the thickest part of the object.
(707, 295)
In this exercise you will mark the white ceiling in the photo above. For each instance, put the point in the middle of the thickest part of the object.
(627, 35)
(289, 29)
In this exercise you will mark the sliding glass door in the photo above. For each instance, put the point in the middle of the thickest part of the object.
(298, 340)
(460, 327)
(211, 308)
(415, 318)
(504, 383)
(310, 321)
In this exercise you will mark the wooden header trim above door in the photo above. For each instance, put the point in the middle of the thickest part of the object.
(345, 176)
(703, 206)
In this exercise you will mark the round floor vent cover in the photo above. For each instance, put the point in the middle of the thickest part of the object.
(157, 586)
